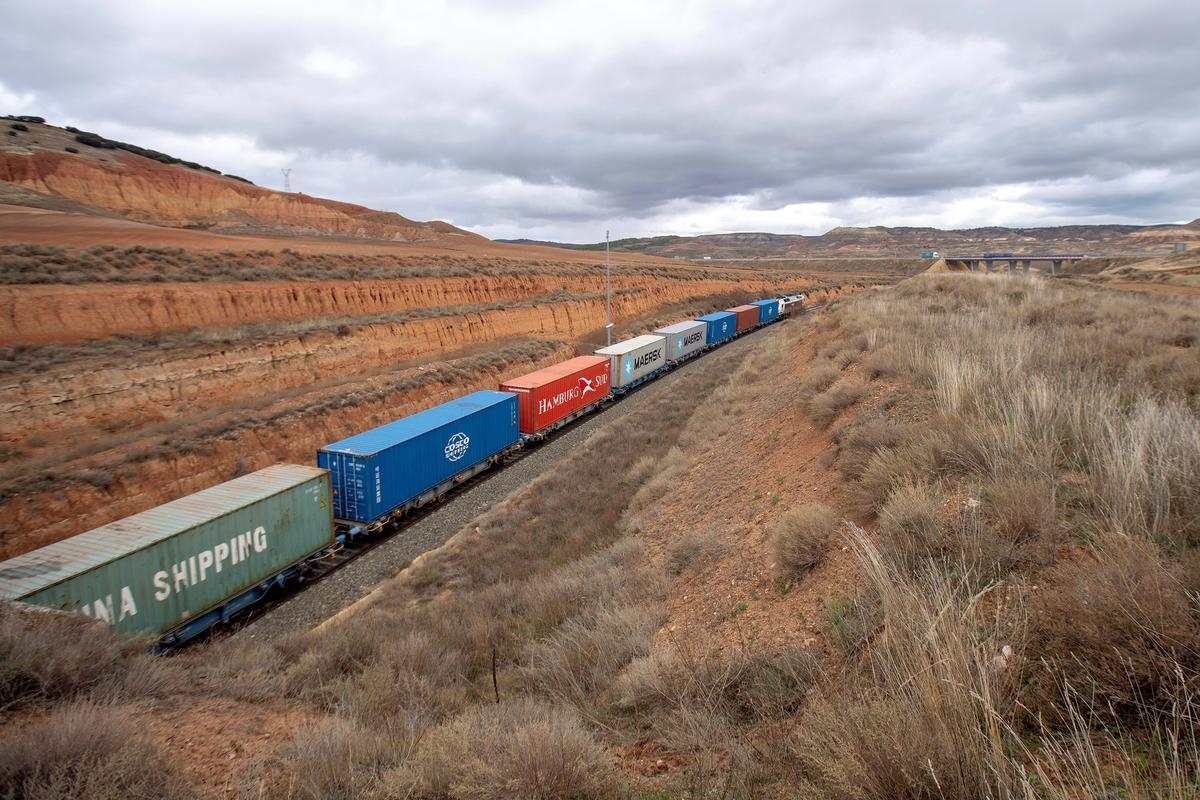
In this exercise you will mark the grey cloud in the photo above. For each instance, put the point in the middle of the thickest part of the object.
(631, 112)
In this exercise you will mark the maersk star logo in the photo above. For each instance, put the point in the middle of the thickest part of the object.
(679, 344)
(586, 385)
(457, 446)
(628, 368)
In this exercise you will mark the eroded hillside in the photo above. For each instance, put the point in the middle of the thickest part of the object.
(146, 186)
(131, 376)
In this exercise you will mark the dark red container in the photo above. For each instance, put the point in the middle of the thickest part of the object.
(747, 316)
(548, 395)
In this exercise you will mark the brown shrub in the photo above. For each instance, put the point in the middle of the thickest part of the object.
(910, 525)
(692, 548)
(1024, 510)
(852, 620)
(818, 378)
(329, 760)
(47, 656)
(85, 751)
(920, 456)
(826, 406)
(1113, 627)
(801, 539)
(584, 655)
(520, 748)
(862, 442)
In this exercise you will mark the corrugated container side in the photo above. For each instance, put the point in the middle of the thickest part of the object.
(380, 470)
(635, 358)
(684, 339)
(158, 586)
(747, 316)
(768, 310)
(548, 395)
(721, 326)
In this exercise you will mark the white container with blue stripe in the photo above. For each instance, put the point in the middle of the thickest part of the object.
(387, 469)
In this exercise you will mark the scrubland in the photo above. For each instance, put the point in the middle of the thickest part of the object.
(1014, 470)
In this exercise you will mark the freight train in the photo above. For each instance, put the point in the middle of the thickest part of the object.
(178, 570)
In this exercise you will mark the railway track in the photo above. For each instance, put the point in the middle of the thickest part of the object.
(249, 621)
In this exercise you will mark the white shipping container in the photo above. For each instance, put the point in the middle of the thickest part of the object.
(635, 358)
(683, 339)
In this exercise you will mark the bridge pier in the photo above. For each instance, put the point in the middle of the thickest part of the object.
(1025, 267)
(1056, 266)
(1011, 267)
(989, 267)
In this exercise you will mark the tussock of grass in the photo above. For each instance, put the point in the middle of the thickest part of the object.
(802, 538)
(85, 751)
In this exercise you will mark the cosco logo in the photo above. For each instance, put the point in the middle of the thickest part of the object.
(457, 446)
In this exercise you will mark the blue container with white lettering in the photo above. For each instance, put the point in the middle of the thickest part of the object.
(768, 310)
(721, 326)
(395, 466)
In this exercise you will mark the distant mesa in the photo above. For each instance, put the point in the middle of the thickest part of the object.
(88, 172)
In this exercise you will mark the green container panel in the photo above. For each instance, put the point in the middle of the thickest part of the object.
(276, 518)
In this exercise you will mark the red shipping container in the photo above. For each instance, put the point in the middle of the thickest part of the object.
(548, 395)
(747, 316)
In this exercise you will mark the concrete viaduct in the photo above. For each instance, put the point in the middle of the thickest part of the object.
(987, 263)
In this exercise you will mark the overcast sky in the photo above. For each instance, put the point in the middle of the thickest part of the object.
(556, 120)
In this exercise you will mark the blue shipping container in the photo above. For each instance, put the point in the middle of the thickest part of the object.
(378, 471)
(768, 310)
(721, 326)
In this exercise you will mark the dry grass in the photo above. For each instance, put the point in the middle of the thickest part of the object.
(910, 525)
(802, 538)
(1119, 627)
(521, 748)
(85, 751)
(825, 407)
(47, 658)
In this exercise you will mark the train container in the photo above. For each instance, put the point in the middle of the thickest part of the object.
(548, 396)
(393, 467)
(684, 339)
(175, 570)
(721, 327)
(768, 310)
(747, 317)
(634, 359)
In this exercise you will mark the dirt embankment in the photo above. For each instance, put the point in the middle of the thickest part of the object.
(40, 314)
(163, 194)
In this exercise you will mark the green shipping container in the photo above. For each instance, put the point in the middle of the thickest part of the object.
(154, 571)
